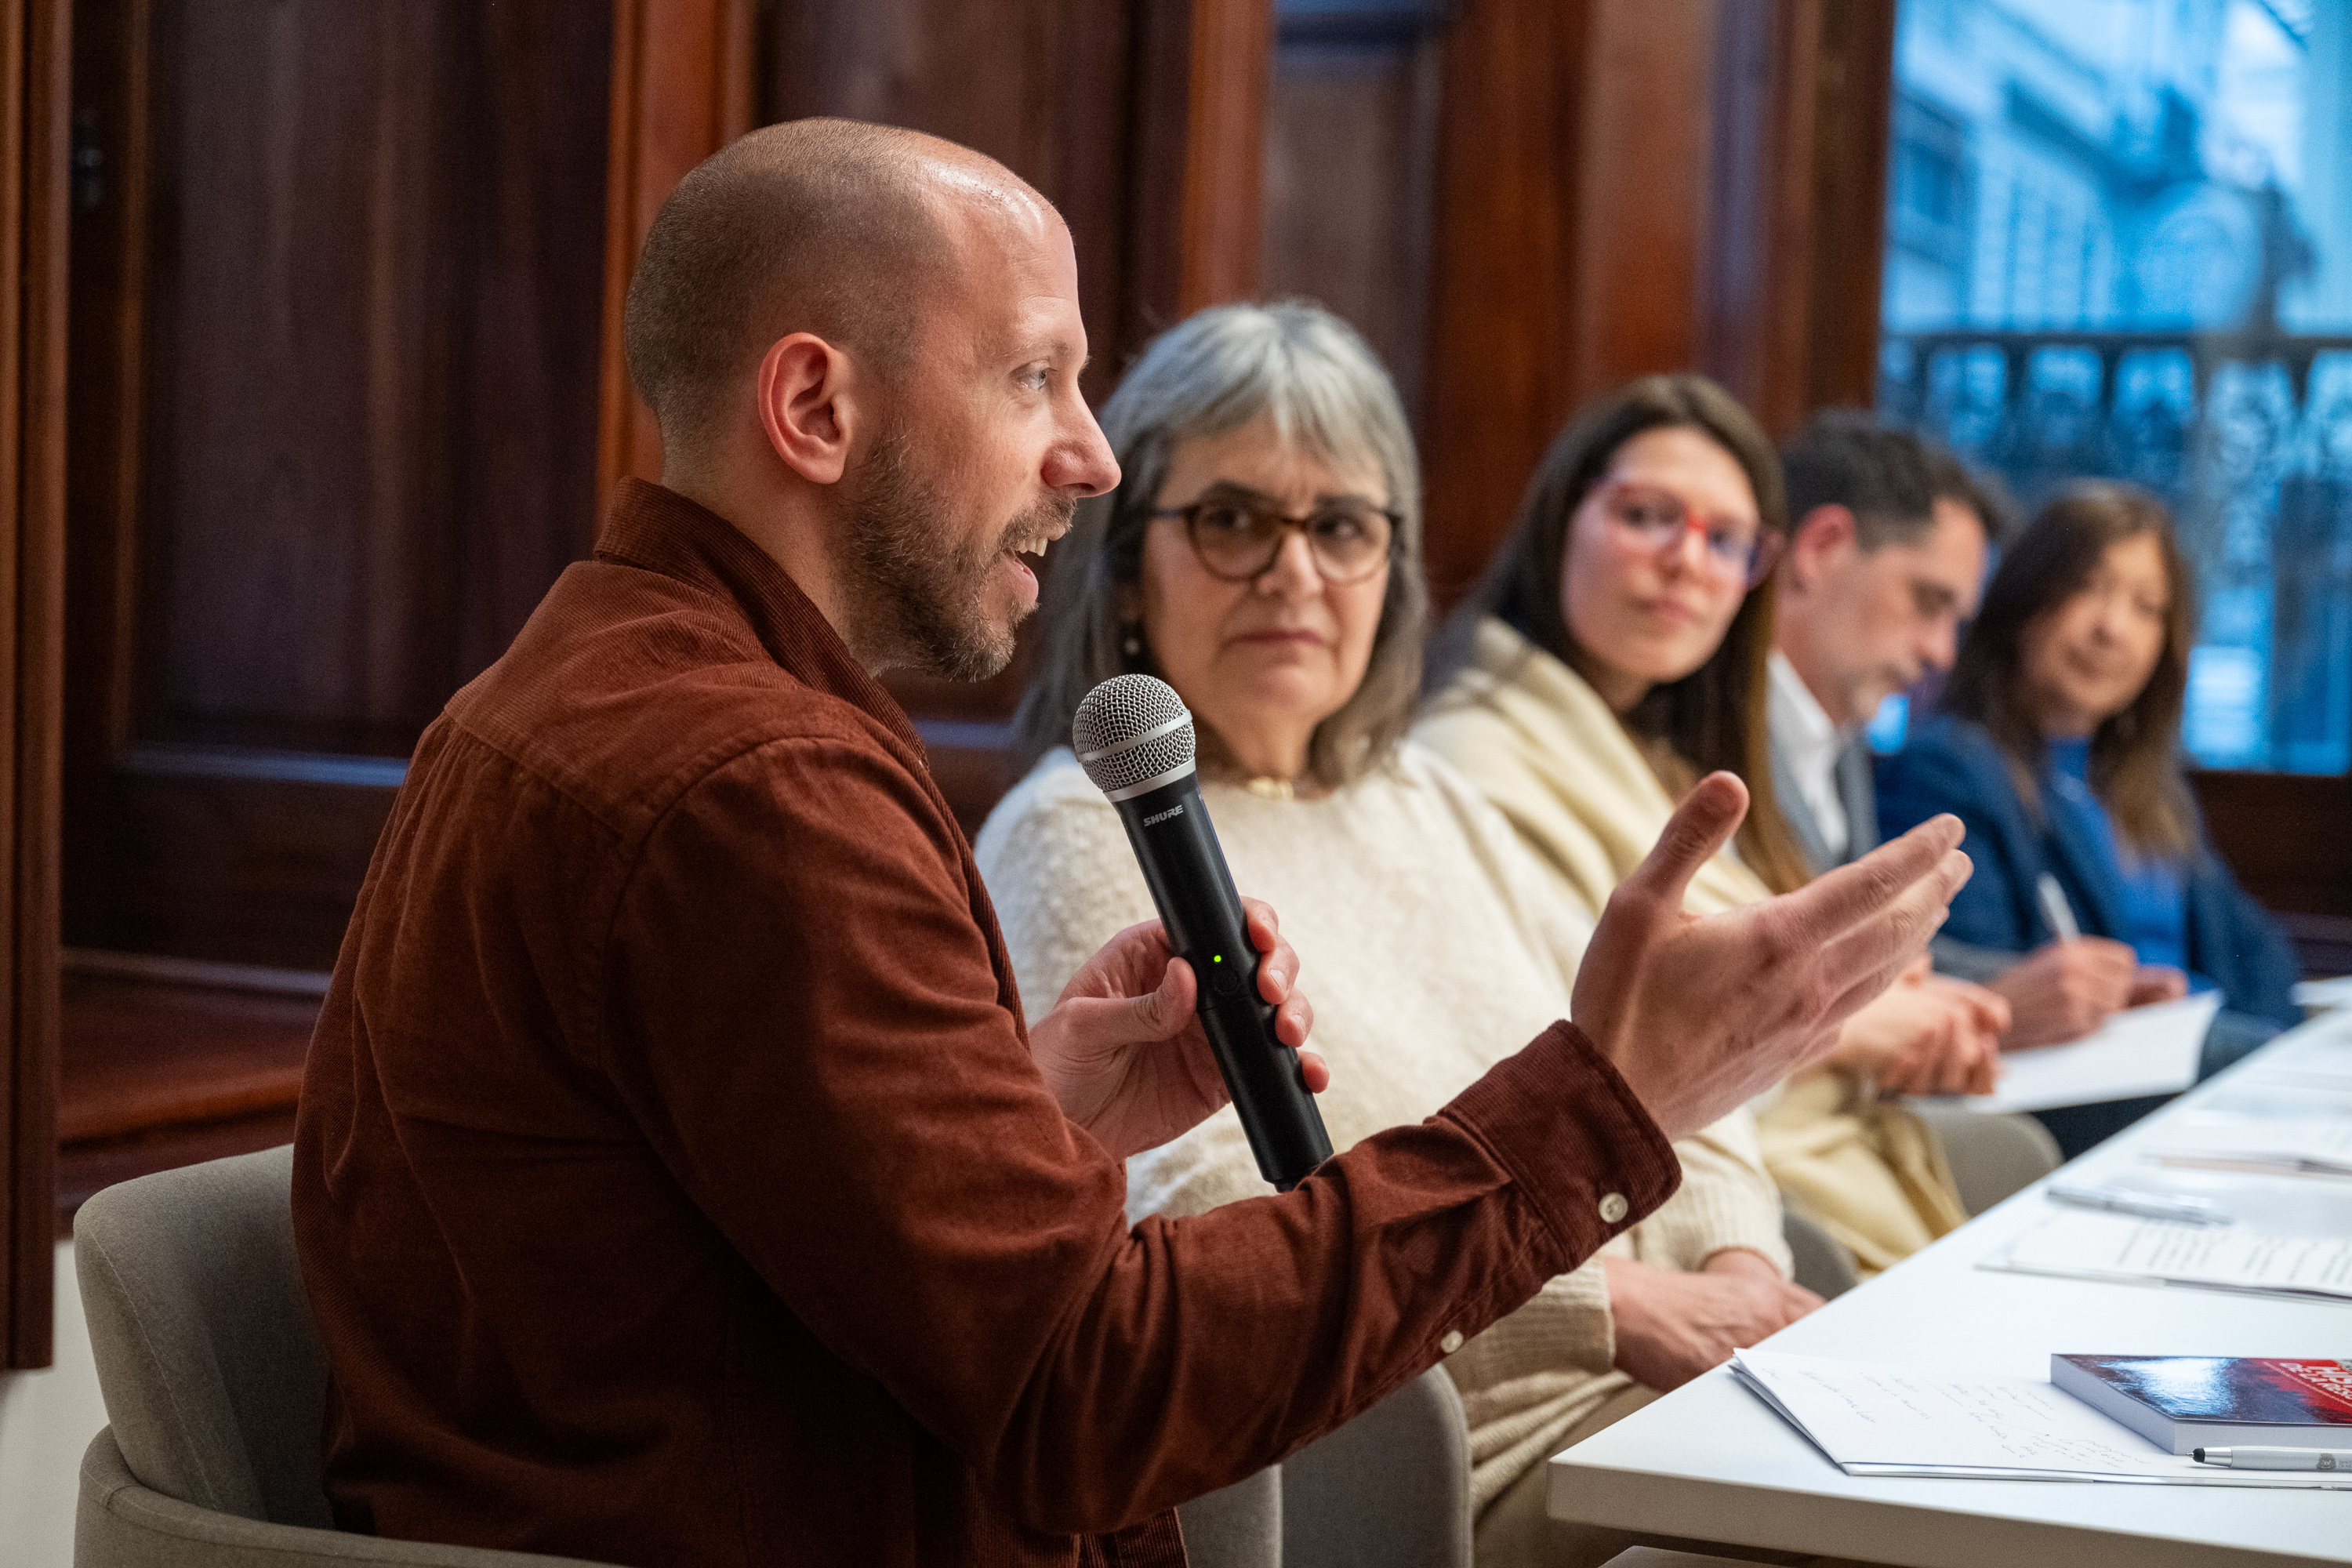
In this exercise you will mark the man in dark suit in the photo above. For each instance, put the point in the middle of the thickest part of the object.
(1885, 561)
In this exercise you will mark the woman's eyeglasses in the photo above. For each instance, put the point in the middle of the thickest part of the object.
(1239, 543)
(1738, 550)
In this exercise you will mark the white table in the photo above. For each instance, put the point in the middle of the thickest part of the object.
(1711, 1462)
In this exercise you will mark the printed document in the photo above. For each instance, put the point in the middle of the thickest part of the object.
(2285, 1145)
(1878, 1420)
(2141, 1050)
(2151, 1251)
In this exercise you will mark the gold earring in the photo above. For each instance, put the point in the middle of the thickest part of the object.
(1132, 645)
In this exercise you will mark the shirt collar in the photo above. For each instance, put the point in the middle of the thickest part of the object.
(658, 529)
(1807, 728)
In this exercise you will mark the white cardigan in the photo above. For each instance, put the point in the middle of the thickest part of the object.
(1431, 948)
(1533, 738)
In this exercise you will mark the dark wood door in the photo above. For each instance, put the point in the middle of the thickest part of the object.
(333, 402)
(34, 75)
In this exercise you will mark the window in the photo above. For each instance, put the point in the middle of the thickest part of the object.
(2119, 243)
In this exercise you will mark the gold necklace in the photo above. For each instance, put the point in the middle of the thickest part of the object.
(1265, 786)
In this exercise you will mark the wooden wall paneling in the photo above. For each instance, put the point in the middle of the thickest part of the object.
(1502, 266)
(1085, 170)
(1350, 164)
(1852, 127)
(1157, 93)
(528, 399)
(2285, 835)
(1639, 220)
(1797, 218)
(301, 323)
(36, 106)
(1197, 90)
(1756, 310)
(334, 405)
(106, 320)
(1229, 73)
(683, 86)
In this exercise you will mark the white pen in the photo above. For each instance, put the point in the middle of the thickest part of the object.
(2055, 909)
(2276, 1459)
(2147, 1206)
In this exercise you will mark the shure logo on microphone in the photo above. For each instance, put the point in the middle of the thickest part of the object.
(1176, 810)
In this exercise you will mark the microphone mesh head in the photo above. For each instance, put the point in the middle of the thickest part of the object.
(1118, 711)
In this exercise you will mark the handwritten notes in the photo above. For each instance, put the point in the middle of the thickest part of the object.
(1879, 1420)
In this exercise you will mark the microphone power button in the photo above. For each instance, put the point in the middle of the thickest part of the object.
(1224, 979)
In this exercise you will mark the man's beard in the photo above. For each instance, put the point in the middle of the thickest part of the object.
(919, 599)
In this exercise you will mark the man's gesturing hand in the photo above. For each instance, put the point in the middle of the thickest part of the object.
(1123, 1052)
(1701, 1014)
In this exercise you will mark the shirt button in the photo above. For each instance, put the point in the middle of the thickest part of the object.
(1451, 1342)
(1613, 1207)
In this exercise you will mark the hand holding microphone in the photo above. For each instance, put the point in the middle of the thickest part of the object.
(1123, 1050)
(1135, 739)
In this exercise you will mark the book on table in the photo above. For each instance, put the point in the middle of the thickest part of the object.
(2184, 1402)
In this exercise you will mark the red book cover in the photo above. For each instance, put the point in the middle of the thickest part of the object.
(2236, 1391)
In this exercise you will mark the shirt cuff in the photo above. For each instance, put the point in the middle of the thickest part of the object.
(1574, 1136)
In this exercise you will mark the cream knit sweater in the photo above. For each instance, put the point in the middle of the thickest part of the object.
(1533, 738)
(1432, 949)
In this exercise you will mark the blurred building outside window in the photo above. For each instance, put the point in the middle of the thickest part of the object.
(2119, 243)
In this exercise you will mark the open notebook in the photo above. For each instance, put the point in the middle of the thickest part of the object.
(1871, 1419)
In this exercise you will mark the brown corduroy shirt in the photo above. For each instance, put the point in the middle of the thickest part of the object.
(673, 1183)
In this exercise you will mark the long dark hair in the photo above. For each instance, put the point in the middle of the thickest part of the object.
(2135, 755)
(1714, 717)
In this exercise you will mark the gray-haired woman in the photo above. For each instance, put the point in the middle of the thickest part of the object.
(1262, 556)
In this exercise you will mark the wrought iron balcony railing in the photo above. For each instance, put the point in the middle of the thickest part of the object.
(2247, 435)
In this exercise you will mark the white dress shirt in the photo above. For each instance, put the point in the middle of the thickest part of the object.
(1810, 745)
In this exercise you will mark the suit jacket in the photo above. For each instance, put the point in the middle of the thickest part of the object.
(1857, 792)
(1858, 786)
(1951, 765)
(673, 1183)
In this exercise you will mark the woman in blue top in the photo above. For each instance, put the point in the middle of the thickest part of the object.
(2058, 743)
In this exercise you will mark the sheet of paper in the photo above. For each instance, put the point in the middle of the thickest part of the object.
(2323, 1063)
(1879, 1420)
(2316, 995)
(2117, 1246)
(2142, 1050)
(2317, 1145)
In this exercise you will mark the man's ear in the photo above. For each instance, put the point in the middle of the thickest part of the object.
(807, 392)
(1822, 537)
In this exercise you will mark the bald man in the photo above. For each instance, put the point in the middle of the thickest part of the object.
(676, 1181)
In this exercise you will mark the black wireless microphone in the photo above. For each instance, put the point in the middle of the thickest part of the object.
(1134, 736)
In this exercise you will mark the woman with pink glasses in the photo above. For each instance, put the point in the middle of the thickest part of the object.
(1614, 655)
